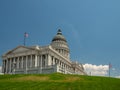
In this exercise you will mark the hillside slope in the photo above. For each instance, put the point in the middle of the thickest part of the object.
(57, 82)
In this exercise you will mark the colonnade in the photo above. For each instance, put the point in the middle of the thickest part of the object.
(22, 62)
(63, 52)
(34, 61)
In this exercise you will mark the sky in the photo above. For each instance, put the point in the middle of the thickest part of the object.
(91, 27)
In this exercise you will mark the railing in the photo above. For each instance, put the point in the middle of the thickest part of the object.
(33, 68)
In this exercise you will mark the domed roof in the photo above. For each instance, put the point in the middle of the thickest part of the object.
(59, 36)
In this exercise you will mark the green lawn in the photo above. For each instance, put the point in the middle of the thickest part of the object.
(57, 82)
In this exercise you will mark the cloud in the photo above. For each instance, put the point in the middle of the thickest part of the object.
(0, 69)
(96, 70)
(117, 77)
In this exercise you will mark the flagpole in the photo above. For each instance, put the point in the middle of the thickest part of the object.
(25, 36)
(110, 66)
(24, 39)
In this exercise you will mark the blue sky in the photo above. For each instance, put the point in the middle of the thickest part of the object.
(91, 27)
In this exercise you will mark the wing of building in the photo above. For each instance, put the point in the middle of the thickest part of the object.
(41, 59)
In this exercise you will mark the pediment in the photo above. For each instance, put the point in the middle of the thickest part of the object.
(18, 49)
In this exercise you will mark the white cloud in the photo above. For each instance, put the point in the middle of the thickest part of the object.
(96, 70)
(0, 69)
(117, 77)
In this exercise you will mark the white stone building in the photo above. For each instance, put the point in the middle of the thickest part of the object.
(41, 59)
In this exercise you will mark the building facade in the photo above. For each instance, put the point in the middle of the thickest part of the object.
(41, 59)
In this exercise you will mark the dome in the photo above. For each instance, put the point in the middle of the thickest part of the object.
(59, 37)
(59, 44)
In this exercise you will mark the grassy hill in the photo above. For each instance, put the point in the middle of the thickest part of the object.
(57, 81)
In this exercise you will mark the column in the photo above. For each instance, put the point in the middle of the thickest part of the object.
(46, 60)
(3, 66)
(6, 65)
(35, 60)
(66, 69)
(38, 63)
(38, 60)
(60, 51)
(31, 62)
(63, 52)
(22, 63)
(53, 61)
(13, 71)
(41, 64)
(18, 62)
(26, 63)
(14, 65)
(49, 60)
(10, 64)
(58, 62)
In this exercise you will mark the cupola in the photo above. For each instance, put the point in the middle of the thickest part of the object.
(59, 43)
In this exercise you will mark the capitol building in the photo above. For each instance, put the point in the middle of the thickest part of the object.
(41, 59)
